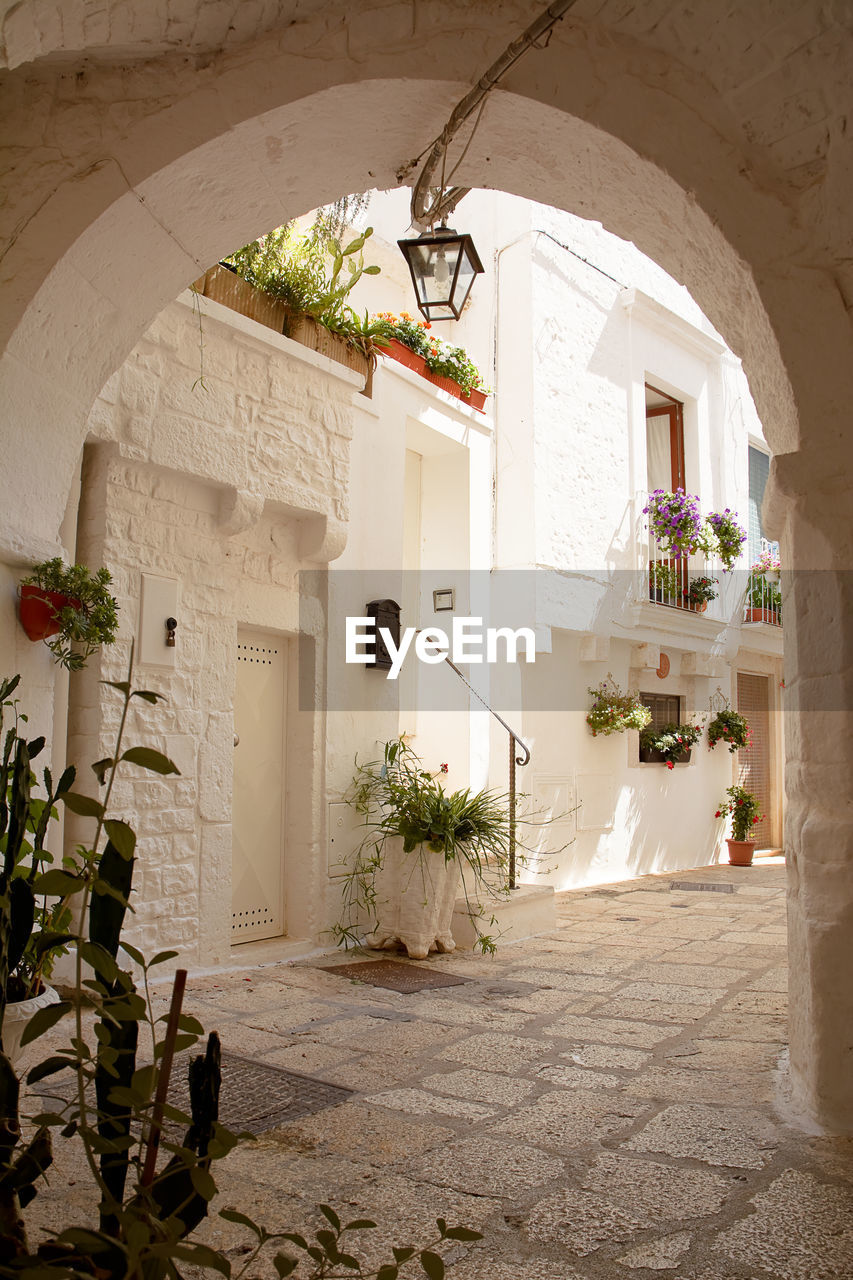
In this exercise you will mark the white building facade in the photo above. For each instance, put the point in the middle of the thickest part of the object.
(265, 505)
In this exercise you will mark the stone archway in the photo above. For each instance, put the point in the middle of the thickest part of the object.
(143, 142)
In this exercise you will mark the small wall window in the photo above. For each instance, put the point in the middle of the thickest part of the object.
(665, 708)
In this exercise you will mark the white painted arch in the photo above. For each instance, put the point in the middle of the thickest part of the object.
(145, 149)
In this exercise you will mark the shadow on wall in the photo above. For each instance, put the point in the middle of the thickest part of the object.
(632, 845)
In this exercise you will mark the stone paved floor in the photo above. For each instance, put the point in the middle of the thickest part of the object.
(598, 1102)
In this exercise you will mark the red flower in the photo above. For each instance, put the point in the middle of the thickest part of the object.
(755, 819)
(445, 768)
(718, 814)
(670, 765)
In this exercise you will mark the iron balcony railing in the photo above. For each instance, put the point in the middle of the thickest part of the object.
(670, 577)
(763, 600)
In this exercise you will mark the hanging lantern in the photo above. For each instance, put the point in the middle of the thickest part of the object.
(443, 265)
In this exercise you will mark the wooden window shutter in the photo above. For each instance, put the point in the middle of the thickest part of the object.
(753, 702)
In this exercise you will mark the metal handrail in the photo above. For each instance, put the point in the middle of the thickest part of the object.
(513, 761)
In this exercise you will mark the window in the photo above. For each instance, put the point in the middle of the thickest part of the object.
(664, 441)
(665, 708)
(665, 470)
(759, 470)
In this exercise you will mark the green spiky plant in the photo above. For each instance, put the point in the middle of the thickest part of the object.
(145, 1215)
(397, 796)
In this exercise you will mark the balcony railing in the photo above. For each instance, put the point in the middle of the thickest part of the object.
(763, 600)
(670, 577)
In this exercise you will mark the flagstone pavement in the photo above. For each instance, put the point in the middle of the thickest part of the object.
(604, 1101)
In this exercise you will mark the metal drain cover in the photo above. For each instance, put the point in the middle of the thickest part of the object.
(405, 978)
(693, 886)
(255, 1096)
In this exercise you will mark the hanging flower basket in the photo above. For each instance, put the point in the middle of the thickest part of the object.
(40, 610)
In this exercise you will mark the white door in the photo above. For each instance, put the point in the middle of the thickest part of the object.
(257, 907)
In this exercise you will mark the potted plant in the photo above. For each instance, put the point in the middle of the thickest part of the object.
(613, 711)
(303, 283)
(768, 565)
(446, 366)
(763, 600)
(71, 604)
(744, 811)
(664, 581)
(670, 745)
(421, 844)
(699, 592)
(675, 522)
(730, 727)
(38, 912)
(726, 538)
(140, 1212)
(406, 340)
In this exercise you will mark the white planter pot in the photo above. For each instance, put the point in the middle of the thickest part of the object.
(415, 893)
(17, 1016)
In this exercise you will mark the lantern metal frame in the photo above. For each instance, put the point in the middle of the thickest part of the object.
(459, 282)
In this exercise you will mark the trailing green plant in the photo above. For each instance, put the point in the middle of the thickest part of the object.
(701, 590)
(743, 807)
(663, 578)
(613, 711)
(146, 1215)
(731, 727)
(88, 620)
(672, 741)
(35, 924)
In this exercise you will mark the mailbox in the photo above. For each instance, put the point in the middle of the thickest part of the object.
(385, 613)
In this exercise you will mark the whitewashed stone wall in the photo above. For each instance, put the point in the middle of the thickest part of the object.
(228, 488)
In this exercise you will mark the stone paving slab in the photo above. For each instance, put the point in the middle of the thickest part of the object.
(599, 1102)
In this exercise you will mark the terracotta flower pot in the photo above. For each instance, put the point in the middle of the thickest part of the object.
(39, 611)
(762, 615)
(476, 399)
(446, 384)
(404, 355)
(740, 852)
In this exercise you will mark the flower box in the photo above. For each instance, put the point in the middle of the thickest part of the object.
(648, 755)
(476, 399)
(445, 384)
(404, 355)
(221, 284)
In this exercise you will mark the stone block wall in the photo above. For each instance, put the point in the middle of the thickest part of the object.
(214, 487)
